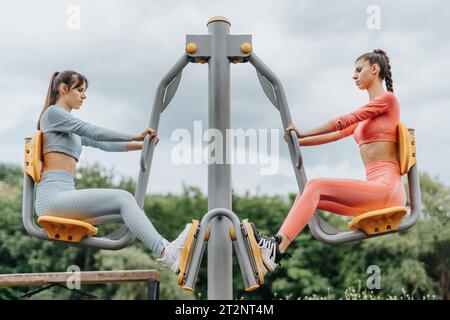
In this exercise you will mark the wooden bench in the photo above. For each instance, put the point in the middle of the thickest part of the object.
(85, 277)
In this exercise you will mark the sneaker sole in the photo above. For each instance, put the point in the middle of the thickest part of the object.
(186, 253)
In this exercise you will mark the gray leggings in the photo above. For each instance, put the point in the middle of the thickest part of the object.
(56, 196)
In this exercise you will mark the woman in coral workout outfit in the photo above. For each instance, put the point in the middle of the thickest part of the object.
(374, 127)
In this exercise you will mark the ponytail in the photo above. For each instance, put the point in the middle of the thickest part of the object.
(71, 78)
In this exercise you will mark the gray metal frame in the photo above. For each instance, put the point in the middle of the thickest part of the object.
(218, 48)
(248, 274)
(219, 175)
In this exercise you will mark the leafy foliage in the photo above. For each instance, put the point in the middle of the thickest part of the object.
(414, 264)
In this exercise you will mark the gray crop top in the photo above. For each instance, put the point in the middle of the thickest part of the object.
(62, 132)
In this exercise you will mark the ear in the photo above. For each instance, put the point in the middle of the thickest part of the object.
(375, 68)
(63, 89)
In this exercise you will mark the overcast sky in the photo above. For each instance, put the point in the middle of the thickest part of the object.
(125, 47)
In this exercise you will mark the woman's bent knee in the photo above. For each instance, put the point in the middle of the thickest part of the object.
(312, 185)
(123, 196)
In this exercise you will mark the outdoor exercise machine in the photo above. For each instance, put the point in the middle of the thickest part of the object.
(220, 226)
(218, 49)
(61, 229)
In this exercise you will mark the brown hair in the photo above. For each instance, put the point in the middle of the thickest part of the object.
(380, 57)
(71, 78)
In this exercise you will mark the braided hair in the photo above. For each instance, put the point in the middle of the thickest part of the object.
(380, 57)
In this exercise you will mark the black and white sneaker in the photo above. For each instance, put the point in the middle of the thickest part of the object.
(270, 251)
(172, 251)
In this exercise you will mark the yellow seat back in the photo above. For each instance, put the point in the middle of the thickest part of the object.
(33, 156)
(406, 148)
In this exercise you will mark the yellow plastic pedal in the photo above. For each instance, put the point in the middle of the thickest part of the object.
(252, 288)
(234, 238)
(256, 253)
(186, 253)
(379, 221)
(188, 288)
(68, 230)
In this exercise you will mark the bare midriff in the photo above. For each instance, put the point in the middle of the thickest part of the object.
(59, 161)
(379, 150)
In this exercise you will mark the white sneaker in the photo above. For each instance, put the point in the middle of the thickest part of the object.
(269, 247)
(172, 251)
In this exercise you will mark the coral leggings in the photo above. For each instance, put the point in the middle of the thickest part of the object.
(383, 188)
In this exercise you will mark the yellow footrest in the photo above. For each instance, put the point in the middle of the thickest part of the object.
(68, 230)
(254, 253)
(378, 221)
(186, 253)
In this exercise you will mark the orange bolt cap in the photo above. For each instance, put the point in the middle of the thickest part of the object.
(191, 47)
(246, 48)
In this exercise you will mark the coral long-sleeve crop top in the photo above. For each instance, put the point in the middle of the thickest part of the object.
(375, 121)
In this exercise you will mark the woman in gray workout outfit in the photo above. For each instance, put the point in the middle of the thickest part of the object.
(63, 138)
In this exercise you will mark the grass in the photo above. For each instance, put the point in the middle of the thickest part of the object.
(352, 293)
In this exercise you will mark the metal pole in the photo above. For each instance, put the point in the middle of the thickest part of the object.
(157, 109)
(220, 277)
(152, 289)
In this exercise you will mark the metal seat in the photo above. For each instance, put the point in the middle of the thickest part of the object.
(68, 230)
(60, 229)
(388, 219)
(379, 221)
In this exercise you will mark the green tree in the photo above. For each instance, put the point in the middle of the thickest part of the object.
(22, 253)
(413, 264)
